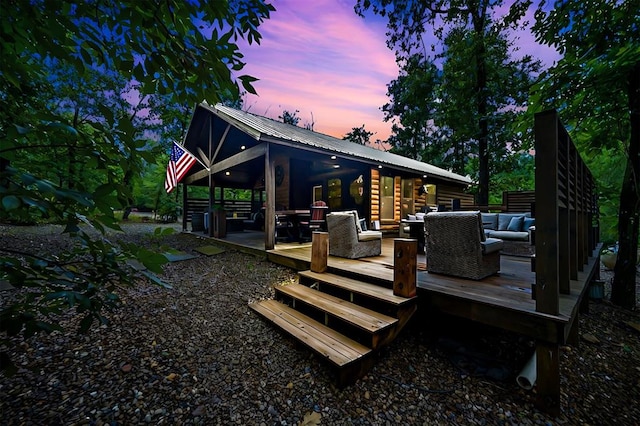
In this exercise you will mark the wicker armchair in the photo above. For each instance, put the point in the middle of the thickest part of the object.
(456, 245)
(347, 239)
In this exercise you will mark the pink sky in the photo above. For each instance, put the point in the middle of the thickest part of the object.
(320, 58)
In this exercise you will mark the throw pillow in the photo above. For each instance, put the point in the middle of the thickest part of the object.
(527, 223)
(515, 224)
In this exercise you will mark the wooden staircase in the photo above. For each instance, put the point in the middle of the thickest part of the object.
(344, 320)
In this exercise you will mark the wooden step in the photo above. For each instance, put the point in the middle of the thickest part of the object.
(351, 357)
(363, 318)
(372, 327)
(373, 291)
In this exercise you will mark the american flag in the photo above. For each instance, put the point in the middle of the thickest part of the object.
(180, 161)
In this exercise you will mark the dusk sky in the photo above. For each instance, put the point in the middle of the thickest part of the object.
(320, 58)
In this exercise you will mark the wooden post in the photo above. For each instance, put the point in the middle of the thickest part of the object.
(548, 377)
(548, 203)
(547, 212)
(185, 206)
(405, 265)
(319, 251)
(270, 210)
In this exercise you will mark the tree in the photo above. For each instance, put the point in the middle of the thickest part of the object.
(290, 117)
(409, 20)
(412, 108)
(359, 135)
(596, 86)
(183, 52)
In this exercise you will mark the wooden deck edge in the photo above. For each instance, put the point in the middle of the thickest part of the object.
(230, 244)
(373, 291)
(280, 258)
(332, 346)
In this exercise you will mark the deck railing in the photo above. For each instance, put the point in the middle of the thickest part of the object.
(566, 239)
(242, 208)
(566, 212)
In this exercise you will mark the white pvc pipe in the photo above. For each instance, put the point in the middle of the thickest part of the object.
(527, 377)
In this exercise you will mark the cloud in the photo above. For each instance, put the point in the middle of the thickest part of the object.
(321, 58)
(318, 57)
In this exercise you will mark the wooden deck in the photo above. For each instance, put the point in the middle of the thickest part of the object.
(502, 300)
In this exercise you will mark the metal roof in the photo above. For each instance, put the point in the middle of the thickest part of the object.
(267, 129)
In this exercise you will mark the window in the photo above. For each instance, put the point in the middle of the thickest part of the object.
(407, 197)
(335, 194)
(386, 198)
(430, 195)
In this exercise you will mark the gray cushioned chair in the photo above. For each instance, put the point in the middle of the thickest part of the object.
(347, 239)
(456, 245)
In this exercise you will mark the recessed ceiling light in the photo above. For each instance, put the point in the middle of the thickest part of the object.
(242, 147)
(333, 157)
(379, 166)
(227, 173)
(336, 166)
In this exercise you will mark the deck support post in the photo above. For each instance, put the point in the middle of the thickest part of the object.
(548, 377)
(185, 206)
(405, 266)
(573, 336)
(319, 251)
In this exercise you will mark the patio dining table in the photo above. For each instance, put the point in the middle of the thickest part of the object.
(294, 216)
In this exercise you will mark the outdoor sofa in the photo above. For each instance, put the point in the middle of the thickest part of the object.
(515, 229)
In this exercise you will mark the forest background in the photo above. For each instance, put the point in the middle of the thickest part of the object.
(93, 95)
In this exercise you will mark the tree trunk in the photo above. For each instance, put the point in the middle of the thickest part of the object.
(623, 292)
(481, 89)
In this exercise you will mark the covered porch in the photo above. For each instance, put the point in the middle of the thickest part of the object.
(288, 168)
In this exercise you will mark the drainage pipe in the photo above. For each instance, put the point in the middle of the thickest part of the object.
(527, 377)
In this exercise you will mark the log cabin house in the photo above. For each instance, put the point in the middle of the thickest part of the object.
(289, 167)
(539, 297)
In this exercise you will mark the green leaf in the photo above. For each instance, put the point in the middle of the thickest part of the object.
(151, 260)
(10, 202)
(246, 84)
(21, 129)
(63, 126)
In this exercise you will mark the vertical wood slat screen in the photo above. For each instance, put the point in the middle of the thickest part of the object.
(566, 212)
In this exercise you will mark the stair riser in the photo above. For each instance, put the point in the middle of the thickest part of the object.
(358, 299)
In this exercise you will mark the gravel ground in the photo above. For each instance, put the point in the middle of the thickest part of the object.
(196, 354)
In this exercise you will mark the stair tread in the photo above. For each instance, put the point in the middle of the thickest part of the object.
(364, 318)
(360, 287)
(333, 346)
